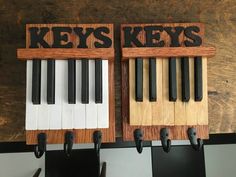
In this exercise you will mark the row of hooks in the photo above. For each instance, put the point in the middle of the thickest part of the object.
(40, 148)
(195, 142)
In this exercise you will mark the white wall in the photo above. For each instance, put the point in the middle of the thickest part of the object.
(20, 165)
(220, 160)
(127, 162)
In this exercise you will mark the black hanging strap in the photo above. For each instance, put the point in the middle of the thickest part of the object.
(37, 173)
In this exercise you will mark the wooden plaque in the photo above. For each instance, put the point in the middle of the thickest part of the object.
(150, 117)
(93, 50)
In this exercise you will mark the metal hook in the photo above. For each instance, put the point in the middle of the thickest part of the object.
(196, 143)
(69, 139)
(40, 148)
(138, 138)
(165, 142)
(97, 139)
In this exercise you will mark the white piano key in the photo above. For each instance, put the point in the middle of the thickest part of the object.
(43, 119)
(103, 109)
(79, 108)
(31, 110)
(55, 112)
(91, 108)
(67, 109)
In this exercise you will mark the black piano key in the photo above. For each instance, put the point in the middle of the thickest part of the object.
(172, 79)
(98, 81)
(71, 82)
(85, 82)
(152, 80)
(198, 78)
(51, 81)
(185, 79)
(139, 79)
(36, 81)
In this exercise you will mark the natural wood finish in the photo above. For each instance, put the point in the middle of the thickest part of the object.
(65, 54)
(168, 106)
(164, 112)
(179, 106)
(167, 112)
(164, 52)
(157, 107)
(142, 109)
(203, 105)
(220, 32)
(192, 109)
(151, 132)
(84, 135)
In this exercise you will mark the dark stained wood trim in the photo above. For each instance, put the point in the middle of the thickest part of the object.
(57, 54)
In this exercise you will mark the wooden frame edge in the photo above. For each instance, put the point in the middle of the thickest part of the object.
(167, 52)
(59, 53)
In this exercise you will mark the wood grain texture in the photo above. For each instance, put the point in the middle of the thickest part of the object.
(167, 113)
(63, 54)
(128, 53)
(151, 132)
(220, 24)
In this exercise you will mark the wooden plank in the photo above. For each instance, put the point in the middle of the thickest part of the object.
(168, 106)
(151, 132)
(157, 106)
(172, 113)
(138, 114)
(166, 52)
(192, 109)
(202, 117)
(180, 118)
(65, 54)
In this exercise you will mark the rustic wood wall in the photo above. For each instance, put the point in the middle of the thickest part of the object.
(218, 15)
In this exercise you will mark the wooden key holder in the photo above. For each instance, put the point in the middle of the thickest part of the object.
(72, 41)
(161, 41)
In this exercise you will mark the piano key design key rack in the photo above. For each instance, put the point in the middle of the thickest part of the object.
(164, 81)
(70, 82)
